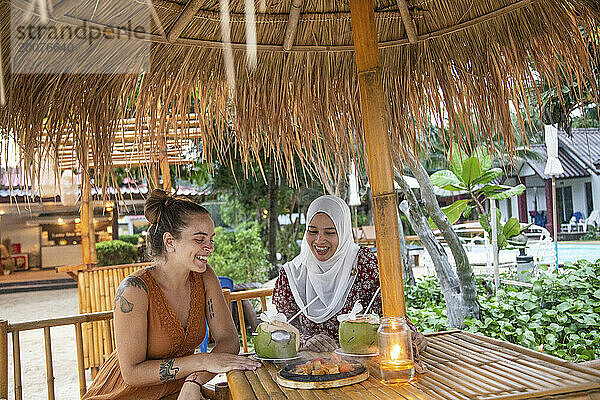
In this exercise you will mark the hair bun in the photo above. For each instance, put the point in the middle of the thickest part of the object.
(154, 205)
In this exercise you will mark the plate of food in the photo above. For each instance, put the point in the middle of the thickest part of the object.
(322, 373)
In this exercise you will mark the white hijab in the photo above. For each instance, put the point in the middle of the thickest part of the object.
(329, 281)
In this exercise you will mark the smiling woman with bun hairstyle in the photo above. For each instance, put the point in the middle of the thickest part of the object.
(160, 312)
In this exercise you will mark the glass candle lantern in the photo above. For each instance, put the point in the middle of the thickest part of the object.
(395, 350)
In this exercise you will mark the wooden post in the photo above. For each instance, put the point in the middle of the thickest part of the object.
(88, 239)
(549, 207)
(49, 366)
(114, 221)
(84, 215)
(522, 203)
(3, 359)
(164, 163)
(379, 152)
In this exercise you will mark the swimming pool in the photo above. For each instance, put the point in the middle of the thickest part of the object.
(571, 252)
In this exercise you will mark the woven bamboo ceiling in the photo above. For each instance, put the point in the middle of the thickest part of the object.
(296, 92)
(130, 149)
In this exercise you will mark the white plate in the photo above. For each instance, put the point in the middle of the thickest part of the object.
(341, 353)
(274, 359)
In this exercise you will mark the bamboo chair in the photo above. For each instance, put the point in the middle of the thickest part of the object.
(105, 338)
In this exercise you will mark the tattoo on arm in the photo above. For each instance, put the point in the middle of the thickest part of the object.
(167, 370)
(125, 305)
(211, 309)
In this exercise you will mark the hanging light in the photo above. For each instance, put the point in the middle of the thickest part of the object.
(69, 189)
(48, 181)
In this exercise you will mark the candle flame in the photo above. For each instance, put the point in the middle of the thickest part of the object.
(395, 352)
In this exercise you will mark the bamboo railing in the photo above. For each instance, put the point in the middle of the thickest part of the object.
(100, 341)
(238, 297)
(15, 329)
(97, 288)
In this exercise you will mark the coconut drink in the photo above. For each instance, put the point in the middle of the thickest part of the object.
(276, 338)
(358, 332)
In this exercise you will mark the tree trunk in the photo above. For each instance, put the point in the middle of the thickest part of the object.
(273, 191)
(456, 308)
(407, 263)
(463, 267)
(370, 214)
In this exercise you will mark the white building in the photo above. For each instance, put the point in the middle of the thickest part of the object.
(577, 190)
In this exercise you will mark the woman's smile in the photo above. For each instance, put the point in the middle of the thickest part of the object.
(322, 237)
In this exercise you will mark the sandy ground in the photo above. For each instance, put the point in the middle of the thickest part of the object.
(17, 307)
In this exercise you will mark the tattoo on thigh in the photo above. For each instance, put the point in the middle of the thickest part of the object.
(125, 305)
(167, 371)
(211, 309)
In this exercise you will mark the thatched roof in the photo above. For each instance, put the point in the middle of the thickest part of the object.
(467, 56)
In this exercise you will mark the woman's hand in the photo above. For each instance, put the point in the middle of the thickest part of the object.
(191, 389)
(224, 362)
(419, 340)
(320, 343)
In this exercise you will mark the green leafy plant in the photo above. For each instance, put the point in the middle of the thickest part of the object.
(240, 254)
(559, 314)
(115, 252)
(133, 239)
(593, 233)
(475, 175)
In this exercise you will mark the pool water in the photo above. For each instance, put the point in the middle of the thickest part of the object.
(571, 252)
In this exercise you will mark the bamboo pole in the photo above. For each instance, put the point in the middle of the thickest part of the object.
(241, 318)
(164, 163)
(49, 367)
(3, 359)
(18, 387)
(379, 153)
(409, 24)
(80, 359)
(88, 239)
(292, 25)
(184, 19)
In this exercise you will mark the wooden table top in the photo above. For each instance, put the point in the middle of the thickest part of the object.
(459, 365)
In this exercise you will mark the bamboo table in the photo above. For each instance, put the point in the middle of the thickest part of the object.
(459, 365)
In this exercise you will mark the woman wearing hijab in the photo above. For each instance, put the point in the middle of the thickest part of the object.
(330, 274)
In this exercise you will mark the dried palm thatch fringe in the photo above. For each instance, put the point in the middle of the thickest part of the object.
(471, 59)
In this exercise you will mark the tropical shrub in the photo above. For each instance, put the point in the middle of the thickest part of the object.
(475, 176)
(559, 315)
(133, 239)
(115, 252)
(593, 233)
(240, 254)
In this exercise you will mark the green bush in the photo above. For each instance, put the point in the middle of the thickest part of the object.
(133, 239)
(558, 315)
(240, 254)
(115, 252)
(593, 233)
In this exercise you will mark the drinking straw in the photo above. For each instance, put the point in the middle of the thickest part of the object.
(303, 308)
(372, 300)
